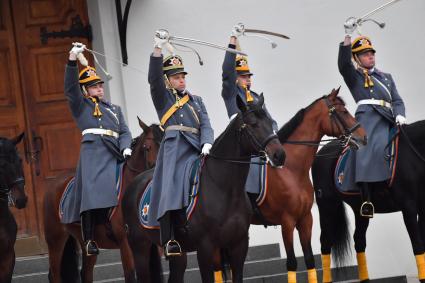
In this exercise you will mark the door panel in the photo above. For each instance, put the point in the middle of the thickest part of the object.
(32, 99)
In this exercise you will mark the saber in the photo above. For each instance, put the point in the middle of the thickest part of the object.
(353, 22)
(267, 32)
(205, 43)
(364, 17)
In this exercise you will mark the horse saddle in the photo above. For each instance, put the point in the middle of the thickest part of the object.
(342, 162)
(149, 221)
(65, 201)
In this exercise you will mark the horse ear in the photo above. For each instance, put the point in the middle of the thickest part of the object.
(334, 92)
(241, 104)
(261, 100)
(18, 138)
(142, 125)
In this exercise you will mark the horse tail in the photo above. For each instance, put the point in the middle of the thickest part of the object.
(69, 262)
(155, 265)
(341, 249)
(335, 234)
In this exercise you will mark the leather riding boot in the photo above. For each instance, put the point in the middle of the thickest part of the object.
(87, 228)
(171, 245)
(367, 209)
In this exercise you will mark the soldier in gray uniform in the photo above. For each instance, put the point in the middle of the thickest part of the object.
(379, 108)
(188, 133)
(237, 82)
(106, 142)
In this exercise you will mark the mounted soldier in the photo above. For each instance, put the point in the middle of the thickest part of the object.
(188, 134)
(237, 82)
(105, 143)
(380, 107)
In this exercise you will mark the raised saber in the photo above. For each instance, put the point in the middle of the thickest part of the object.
(250, 30)
(205, 43)
(366, 16)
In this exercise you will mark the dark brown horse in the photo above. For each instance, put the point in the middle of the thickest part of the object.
(221, 217)
(405, 194)
(61, 238)
(12, 184)
(290, 194)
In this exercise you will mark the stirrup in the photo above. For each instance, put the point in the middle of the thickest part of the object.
(367, 203)
(174, 253)
(95, 251)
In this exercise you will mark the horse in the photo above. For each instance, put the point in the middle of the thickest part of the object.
(221, 217)
(289, 196)
(404, 194)
(12, 193)
(60, 238)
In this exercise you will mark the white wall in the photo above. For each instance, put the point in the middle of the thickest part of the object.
(291, 76)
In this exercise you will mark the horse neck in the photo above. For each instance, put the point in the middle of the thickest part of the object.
(300, 157)
(228, 175)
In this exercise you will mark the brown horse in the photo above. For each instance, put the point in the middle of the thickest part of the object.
(289, 197)
(12, 193)
(61, 238)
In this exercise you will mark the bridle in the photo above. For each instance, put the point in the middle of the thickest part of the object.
(5, 188)
(146, 149)
(259, 146)
(336, 121)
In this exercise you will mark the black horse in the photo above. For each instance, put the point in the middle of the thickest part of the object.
(406, 194)
(221, 218)
(12, 184)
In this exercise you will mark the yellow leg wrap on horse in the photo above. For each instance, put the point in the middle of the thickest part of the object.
(326, 267)
(292, 277)
(312, 275)
(420, 263)
(218, 277)
(362, 265)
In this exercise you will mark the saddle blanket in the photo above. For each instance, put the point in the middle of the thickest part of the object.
(342, 160)
(256, 182)
(63, 204)
(149, 221)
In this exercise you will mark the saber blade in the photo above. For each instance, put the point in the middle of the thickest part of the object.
(205, 43)
(266, 32)
(361, 19)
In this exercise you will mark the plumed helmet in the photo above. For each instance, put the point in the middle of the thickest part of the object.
(172, 65)
(242, 67)
(88, 77)
(361, 44)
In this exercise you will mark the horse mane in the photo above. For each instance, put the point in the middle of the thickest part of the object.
(416, 133)
(286, 130)
(224, 133)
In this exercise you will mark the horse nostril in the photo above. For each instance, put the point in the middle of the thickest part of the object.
(279, 157)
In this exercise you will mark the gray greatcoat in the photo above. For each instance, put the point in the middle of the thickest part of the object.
(230, 90)
(370, 163)
(178, 149)
(95, 178)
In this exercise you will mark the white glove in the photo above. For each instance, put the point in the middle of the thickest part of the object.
(400, 120)
(238, 30)
(350, 26)
(206, 148)
(161, 38)
(127, 152)
(78, 48)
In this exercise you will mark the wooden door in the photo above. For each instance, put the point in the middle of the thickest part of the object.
(32, 100)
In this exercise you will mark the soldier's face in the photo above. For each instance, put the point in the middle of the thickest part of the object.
(367, 59)
(178, 81)
(96, 90)
(244, 80)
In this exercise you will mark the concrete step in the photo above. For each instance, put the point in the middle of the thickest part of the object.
(263, 264)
